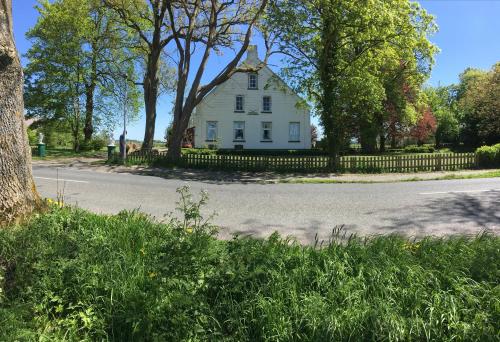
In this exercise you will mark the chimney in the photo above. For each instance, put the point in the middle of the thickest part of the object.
(252, 54)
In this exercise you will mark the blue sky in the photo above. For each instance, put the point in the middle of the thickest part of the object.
(468, 36)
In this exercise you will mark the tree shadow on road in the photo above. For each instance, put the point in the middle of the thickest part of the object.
(454, 214)
(213, 177)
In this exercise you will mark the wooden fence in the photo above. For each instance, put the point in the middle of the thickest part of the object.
(366, 164)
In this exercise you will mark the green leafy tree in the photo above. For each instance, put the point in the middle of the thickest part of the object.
(336, 51)
(146, 22)
(442, 101)
(209, 27)
(479, 105)
(76, 62)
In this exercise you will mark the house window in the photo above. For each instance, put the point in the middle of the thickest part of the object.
(252, 81)
(239, 104)
(211, 130)
(266, 104)
(294, 132)
(239, 130)
(267, 128)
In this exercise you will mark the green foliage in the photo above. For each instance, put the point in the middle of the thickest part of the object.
(96, 144)
(202, 151)
(443, 104)
(71, 275)
(32, 136)
(488, 156)
(355, 60)
(76, 63)
(479, 103)
(419, 149)
(250, 152)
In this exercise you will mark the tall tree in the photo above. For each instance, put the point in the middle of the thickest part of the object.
(76, 60)
(210, 26)
(479, 106)
(425, 127)
(442, 102)
(18, 196)
(147, 20)
(335, 47)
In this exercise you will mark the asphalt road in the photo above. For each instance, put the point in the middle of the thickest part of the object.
(300, 210)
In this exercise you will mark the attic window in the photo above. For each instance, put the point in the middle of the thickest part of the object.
(252, 81)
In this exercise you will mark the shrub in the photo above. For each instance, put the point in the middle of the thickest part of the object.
(72, 275)
(250, 152)
(96, 144)
(199, 151)
(32, 137)
(488, 156)
(419, 149)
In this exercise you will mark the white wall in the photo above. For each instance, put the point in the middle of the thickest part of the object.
(220, 106)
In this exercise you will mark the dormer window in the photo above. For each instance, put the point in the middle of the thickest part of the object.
(253, 81)
(239, 104)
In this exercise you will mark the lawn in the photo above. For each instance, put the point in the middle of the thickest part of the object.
(72, 275)
(61, 153)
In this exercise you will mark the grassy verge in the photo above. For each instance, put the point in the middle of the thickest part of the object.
(62, 153)
(72, 275)
(487, 174)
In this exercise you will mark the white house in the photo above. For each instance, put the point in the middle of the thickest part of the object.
(252, 111)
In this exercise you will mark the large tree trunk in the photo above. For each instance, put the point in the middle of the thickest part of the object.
(175, 141)
(18, 196)
(151, 83)
(88, 129)
(382, 142)
(331, 114)
(367, 137)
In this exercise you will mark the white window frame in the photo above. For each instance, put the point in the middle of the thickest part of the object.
(235, 128)
(270, 109)
(264, 129)
(256, 86)
(293, 138)
(242, 103)
(214, 128)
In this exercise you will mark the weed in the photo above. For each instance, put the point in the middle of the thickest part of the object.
(74, 275)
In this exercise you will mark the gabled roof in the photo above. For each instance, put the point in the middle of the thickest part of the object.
(253, 59)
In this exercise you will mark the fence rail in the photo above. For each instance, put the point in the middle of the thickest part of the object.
(368, 164)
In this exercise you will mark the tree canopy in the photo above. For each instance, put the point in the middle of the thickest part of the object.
(341, 54)
(75, 67)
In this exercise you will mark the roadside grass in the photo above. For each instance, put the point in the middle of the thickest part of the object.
(63, 153)
(488, 174)
(72, 275)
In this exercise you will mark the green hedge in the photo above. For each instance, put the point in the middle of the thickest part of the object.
(96, 144)
(71, 275)
(419, 149)
(488, 156)
(250, 152)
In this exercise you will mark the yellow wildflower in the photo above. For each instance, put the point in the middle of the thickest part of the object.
(189, 230)
(152, 274)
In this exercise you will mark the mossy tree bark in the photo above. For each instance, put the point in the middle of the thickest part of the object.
(18, 195)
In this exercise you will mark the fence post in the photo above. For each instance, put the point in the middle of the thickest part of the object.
(438, 162)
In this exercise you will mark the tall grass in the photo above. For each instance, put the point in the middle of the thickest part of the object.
(72, 275)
